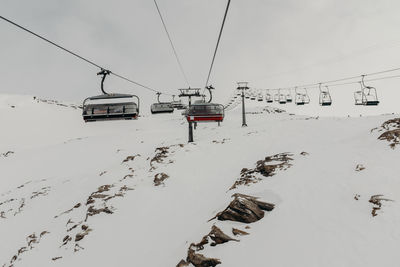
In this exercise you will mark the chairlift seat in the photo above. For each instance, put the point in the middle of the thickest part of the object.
(110, 110)
(371, 103)
(326, 103)
(157, 108)
(205, 112)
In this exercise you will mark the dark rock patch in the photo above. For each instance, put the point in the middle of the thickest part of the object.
(266, 168)
(130, 158)
(376, 200)
(391, 132)
(7, 154)
(199, 260)
(159, 178)
(245, 209)
(236, 232)
(360, 167)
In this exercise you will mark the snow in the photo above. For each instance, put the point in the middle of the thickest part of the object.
(316, 220)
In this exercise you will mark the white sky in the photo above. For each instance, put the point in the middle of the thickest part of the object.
(275, 43)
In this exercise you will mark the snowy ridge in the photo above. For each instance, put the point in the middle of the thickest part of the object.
(135, 193)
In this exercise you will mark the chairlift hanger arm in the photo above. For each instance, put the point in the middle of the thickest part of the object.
(104, 73)
(209, 88)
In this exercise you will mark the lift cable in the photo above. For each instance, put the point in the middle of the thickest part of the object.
(172, 45)
(76, 55)
(315, 85)
(337, 84)
(219, 39)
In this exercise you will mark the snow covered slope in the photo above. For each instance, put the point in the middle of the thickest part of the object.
(134, 193)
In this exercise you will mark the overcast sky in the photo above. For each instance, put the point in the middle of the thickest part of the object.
(270, 43)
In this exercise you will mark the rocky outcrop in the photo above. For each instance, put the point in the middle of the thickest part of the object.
(245, 209)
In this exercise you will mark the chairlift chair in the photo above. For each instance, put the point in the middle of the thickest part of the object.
(202, 111)
(369, 94)
(282, 97)
(301, 98)
(276, 97)
(161, 107)
(268, 97)
(358, 97)
(177, 104)
(289, 97)
(110, 106)
(325, 98)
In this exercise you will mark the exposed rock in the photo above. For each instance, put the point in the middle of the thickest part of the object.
(392, 136)
(219, 237)
(199, 260)
(222, 141)
(42, 192)
(267, 168)
(245, 209)
(376, 200)
(56, 258)
(159, 178)
(7, 154)
(130, 158)
(182, 263)
(103, 188)
(80, 236)
(66, 239)
(359, 168)
(238, 232)
(161, 154)
(93, 211)
(99, 195)
(391, 133)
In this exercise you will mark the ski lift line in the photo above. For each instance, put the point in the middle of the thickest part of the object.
(315, 85)
(369, 80)
(341, 84)
(172, 44)
(75, 54)
(47, 40)
(219, 39)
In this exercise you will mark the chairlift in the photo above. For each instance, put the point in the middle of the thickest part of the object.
(110, 106)
(202, 111)
(276, 97)
(358, 96)
(325, 98)
(281, 97)
(289, 97)
(301, 98)
(268, 97)
(161, 107)
(369, 94)
(177, 103)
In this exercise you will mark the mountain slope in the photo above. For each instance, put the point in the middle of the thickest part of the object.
(76, 194)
